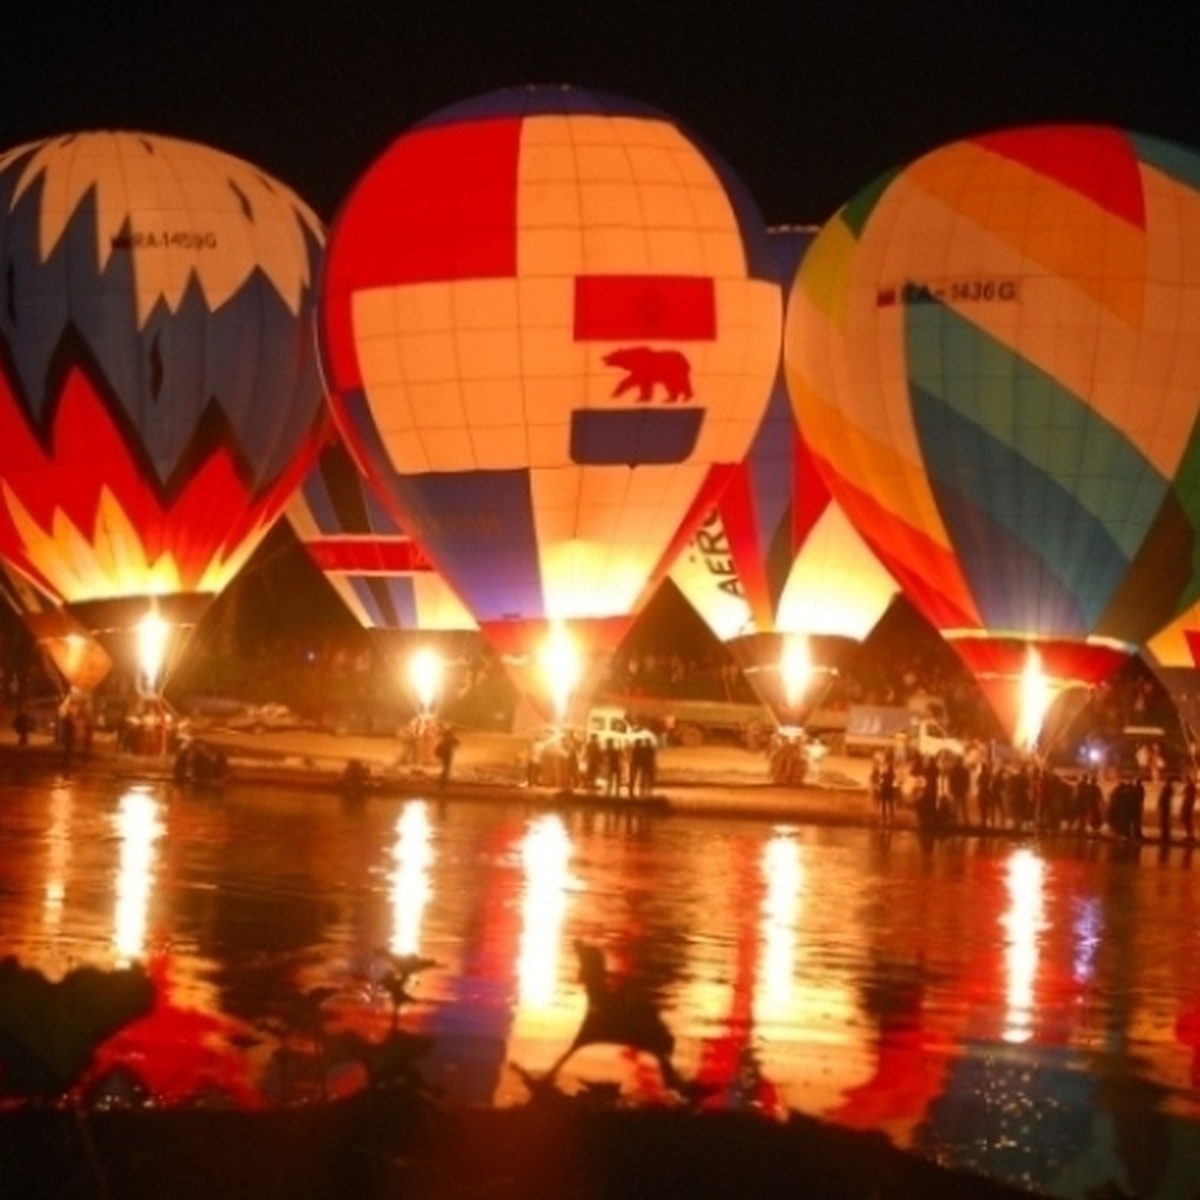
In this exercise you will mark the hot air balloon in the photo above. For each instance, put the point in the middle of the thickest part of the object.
(381, 574)
(78, 657)
(548, 329)
(995, 355)
(160, 398)
(1173, 654)
(777, 570)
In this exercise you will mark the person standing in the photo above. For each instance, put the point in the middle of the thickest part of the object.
(66, 734)
(1166, 797)
(1120, 808)
(447, 744)
(1137, 808)
(593, 758)
(22, 726)
(649, 766)
(1093, 804)
(927, 775)
(612, 767)
(887, 790)
(1187, 808)
(958, 784)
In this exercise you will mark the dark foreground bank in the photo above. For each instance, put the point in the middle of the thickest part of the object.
(374, 1147)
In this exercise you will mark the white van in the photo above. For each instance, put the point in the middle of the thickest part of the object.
(612, 724)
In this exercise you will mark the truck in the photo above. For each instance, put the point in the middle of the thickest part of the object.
(687, 722)
(904, 728)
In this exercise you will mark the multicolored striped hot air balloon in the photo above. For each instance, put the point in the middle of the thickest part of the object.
(548, 328)
(777, 570)
(159, 392)
(995, 356)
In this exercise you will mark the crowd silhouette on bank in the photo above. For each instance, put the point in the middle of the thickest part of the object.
(569, 761)
(972, 792)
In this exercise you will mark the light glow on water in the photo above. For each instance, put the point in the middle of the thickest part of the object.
(1023, 923)
(546, 859)
(783, 876)
(138, 827)
(410, 878)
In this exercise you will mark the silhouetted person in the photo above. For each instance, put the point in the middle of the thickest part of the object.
(1091, 800)
(887, 790)
(612, 767)
(446, 745)
(1137, 808)
(958, 785)
(66, 735)
(1187, 809)
(22, 727)
(983, 793)
(1020, 797)
(927, 798)
(1166, 798)
(593, 758)
(355, 777)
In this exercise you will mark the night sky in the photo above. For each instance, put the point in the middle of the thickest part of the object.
(807, 101)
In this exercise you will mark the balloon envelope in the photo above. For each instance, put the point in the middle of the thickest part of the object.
(1173, 654)
(384, 578)
(777, 560)
(995, 354)
(545, 322)
(77, 656)
(159, 391)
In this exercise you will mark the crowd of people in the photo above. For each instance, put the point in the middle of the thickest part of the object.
(569, 760)
(974, 791)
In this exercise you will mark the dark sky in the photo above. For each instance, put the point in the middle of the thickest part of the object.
(806, 101)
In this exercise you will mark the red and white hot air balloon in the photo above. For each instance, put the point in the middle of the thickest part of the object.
(549, 333)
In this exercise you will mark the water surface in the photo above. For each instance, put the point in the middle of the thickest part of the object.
(1028, 1009)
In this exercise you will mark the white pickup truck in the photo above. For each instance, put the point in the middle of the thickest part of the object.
(872, 727)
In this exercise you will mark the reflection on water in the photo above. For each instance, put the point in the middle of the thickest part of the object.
(410, 880)
(783, 876)
(1023, 924)
(58, 857)
(138, 829)
(545, 857)
(1029, 1010)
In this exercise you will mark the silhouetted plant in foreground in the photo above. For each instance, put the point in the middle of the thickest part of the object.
(50, 1031)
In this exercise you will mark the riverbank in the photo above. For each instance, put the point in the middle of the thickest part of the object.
(725, 781)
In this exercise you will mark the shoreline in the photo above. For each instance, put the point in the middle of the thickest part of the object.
(718, 781)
